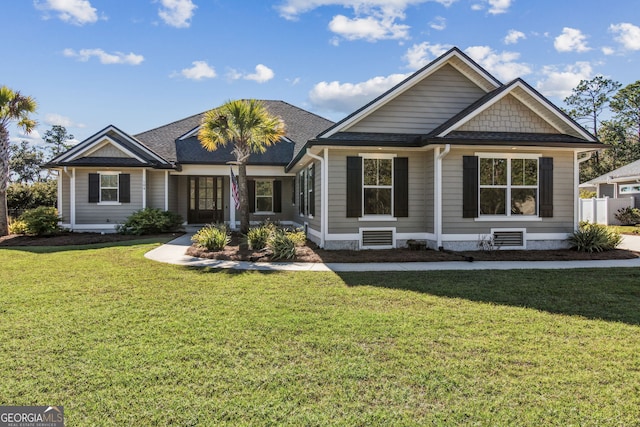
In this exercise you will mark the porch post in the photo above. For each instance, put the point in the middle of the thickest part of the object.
(144, 188)
(166, 190)
(72, 199)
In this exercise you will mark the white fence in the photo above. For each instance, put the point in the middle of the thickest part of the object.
(602, 211)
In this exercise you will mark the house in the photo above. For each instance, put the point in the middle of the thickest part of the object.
(450, 156)
(623, 182)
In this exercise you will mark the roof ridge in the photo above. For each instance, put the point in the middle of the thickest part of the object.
(169, 124)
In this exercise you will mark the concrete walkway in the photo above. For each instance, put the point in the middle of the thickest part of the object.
(174, 253)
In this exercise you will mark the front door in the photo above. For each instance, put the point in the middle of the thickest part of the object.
(206, 199)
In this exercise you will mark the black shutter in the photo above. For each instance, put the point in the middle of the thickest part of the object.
(401, 186)
(546, 187)
(312, 195)
(470, 187)
(251, 186)
(301, 186)
(354, 187)
(94, 188)
(125, 188)
(277, 196)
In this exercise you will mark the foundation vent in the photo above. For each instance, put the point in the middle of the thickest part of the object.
(379, 239)
(508, 239)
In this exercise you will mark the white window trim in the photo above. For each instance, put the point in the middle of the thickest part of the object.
(632, 186)
(377, 217)
(271, 212)
(309, 190)
(114, 202)
(508, 216)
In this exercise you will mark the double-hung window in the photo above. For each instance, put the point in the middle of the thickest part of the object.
(264, 196)
(508, 185)
(377, 186)
(108, 187)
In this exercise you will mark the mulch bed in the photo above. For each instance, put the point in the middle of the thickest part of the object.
(311, 253)
(72, 239)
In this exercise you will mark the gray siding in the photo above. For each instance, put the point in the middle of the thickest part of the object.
(420, 219)
(66, 197)
(288, 210)
(92, 213)
(425, 106)
(109, 151)
(155, 189)
(563, 198)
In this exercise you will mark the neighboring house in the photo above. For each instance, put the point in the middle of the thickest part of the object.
(450, 156)
(623, 182)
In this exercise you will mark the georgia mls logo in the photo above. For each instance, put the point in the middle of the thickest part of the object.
(31, 416)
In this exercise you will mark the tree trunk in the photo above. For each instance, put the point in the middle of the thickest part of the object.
(244, 197)
(4, 179)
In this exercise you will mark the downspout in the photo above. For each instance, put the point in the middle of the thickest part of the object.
(323, 193)
(576, 186)
(438, 204)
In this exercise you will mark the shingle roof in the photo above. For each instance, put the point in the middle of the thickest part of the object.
(300, 126)
(104, 161)
(190, 151)
(632, 170)
(510, 138)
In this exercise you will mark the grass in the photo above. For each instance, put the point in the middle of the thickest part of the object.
(120, 340)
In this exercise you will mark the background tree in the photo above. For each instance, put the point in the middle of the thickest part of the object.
(626, 106)
(248, 126)
(589, 99)
(24, 164)
(14, 107)
(57, 140)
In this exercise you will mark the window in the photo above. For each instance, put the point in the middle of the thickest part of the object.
(628, 189)
(377, 186)
(311, 201)
(264, 196)
(301, 187)
(508, 185)
(108, 188)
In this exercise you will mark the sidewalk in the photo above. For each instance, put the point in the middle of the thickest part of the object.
(174, 253)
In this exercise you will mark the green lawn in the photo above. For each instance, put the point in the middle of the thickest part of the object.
(119, 340)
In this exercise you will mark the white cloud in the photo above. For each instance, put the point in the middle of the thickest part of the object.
(78, 12)
(514, 36)
(628, 35)
(369, 28)
(262, 74)
(177, 13)
(200, 70)
(496, 7)
(346, 97)
(292, 9)
(52, 119)
(608, 50)
(560, 82)
(373, 19)
(501, 65)
(419, 55)
(84, 55)
(439, 23)
(571, 40)
(33, 138)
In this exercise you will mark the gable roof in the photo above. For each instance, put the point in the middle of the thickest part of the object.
(454, 57)
(627, 172)
(134, 152)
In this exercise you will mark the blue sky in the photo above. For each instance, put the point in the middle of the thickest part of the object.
(139, 64)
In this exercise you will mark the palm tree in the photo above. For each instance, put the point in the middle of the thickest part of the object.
(13, 107)
(251, 129)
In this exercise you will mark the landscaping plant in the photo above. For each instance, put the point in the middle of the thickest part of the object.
(213, 237)
(151, 221)
(628, 216)
(594, 238)
(41, 221)
(257, 237)
(282, 245)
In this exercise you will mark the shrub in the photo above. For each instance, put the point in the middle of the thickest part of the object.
(213, 237)
(41, 221)
(594, 238)
(17, 227)
(257, 237)
(282, 245)
(297, 236)
(151, 221)
(29, 196)
(628, 216)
